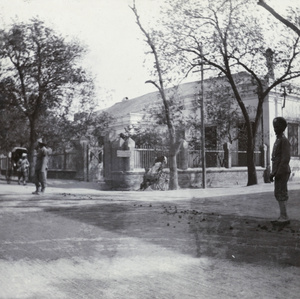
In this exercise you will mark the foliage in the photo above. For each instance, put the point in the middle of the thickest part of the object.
(99, 126)
(63, 131)
(152, 136)
(41, 76)
(221, 109)
(13, 129)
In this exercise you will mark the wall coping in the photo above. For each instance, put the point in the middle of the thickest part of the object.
(189, 170)
(220, 169)
(61, 170)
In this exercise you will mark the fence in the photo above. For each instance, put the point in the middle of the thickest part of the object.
(213, 158)
(143, 158)
(3, 162)
(65, 161)
(241, 158)
(124, 164)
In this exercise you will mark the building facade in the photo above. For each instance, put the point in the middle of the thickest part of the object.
(283, 101)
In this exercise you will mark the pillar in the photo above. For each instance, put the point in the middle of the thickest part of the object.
(183, 161)
(227, 154)
(128, 162)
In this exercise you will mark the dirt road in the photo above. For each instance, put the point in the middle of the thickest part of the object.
(90, 244)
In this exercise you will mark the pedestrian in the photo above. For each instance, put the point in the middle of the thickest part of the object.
(19, 173)
(41, 166)
(280, 168)
(23, 168)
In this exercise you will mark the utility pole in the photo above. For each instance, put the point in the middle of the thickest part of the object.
(202, 126)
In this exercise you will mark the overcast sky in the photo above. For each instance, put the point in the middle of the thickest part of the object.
(108, 28)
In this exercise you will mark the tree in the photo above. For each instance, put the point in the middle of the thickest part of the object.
(13, 129)
(155, 134)
(221, 110)
(41, 75)
(160, 70)
(98, 126)
(285, 21)
(231, 37)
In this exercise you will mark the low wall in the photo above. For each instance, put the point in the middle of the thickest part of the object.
(61, 174)
(217, 177)
(125, 180)
(51, 174)
(190, 178)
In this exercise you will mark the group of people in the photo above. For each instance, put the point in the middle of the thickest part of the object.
(279, 175)
(23, 169)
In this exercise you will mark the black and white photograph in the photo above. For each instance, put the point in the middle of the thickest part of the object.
(149, 149)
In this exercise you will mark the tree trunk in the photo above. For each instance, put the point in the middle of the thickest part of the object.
(173, 184)
(31, 149)
(252, 177)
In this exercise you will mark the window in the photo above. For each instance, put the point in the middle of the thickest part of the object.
(293, 138)
(243, 136)
(211, 137)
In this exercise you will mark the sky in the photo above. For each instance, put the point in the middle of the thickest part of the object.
(107, 27)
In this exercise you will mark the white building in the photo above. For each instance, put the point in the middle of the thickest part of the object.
(280, 102)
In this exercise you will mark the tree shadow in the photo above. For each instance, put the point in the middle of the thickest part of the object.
(191, 231)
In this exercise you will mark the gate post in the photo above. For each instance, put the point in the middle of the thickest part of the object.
(85, 156)
(264, 152)
(183, 155)
(116, 162)
(227, 155)
(129, 145)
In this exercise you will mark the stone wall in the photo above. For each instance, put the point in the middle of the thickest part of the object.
(189, 178)
(217, 177)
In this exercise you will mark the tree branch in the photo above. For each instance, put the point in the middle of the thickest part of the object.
(286, 22)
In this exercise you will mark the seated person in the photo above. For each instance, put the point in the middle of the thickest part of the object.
(151, 175)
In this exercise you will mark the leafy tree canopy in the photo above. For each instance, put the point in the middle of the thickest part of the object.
(41, 77)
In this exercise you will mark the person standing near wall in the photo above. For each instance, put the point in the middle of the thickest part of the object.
(41, 167)
(280, 168)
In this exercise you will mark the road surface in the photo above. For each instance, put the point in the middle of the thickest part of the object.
(80, 242)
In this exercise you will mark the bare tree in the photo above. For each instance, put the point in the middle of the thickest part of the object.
(160, 70)
(227, 35)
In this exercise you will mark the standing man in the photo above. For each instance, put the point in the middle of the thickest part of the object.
(41, 166)
(280, 168)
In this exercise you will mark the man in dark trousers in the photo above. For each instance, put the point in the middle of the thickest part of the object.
(280, 168)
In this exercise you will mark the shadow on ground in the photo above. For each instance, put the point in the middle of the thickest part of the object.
(189, 230)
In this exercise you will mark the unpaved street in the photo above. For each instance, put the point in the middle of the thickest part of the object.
(83, 243)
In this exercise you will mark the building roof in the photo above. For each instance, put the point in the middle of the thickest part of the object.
(183, 91)
(138, 104)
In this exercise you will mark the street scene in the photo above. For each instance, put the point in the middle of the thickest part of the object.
(149, 149)
(76, 241)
